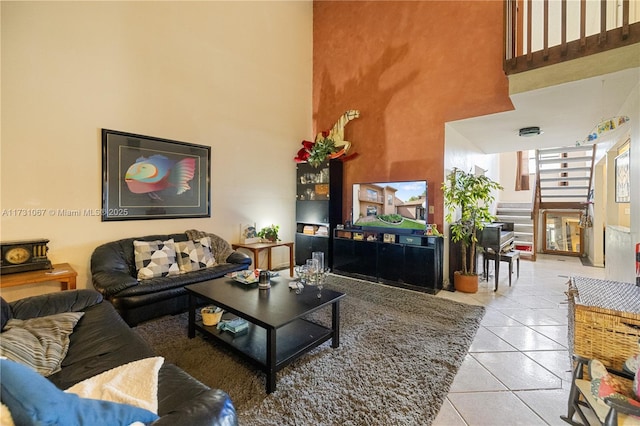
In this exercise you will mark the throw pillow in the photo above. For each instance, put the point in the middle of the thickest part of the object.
(604, 384)
(5, 313)
(5, 416)
(135, 383)
(155, 259)
(40, 343)
(33, 400)
(194, 255)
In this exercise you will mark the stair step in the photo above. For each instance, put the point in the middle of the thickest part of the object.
(514, 204)
(564, 149)
(566, 170)
(514, 209)
(565, 178)
(515, 219)
(565, 196)
(512, 212)
(563, 188)
(564, 160)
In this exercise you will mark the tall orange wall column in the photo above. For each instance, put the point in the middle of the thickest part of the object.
(409, 67)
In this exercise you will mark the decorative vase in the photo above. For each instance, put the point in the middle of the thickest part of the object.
(465, 283)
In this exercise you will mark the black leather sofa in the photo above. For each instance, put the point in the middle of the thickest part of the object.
(114, 275)
(101, 340)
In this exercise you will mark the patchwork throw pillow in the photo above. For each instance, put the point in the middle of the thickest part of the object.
(155, 259)
(40, 343)
(193, 255)
(604, 384)
(34, 400)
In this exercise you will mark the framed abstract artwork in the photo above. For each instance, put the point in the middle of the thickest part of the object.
(623, 190)
(144, 177)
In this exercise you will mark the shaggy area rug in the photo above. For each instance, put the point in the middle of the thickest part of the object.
(399, 352)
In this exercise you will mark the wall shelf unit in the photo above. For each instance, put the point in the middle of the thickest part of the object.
(318, 209)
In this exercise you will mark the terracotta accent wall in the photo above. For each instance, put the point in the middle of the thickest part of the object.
(409, 67)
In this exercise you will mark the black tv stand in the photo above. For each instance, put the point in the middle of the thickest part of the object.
(410, 261)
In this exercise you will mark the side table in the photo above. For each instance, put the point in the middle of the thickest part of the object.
(256, 248)
(61, 272)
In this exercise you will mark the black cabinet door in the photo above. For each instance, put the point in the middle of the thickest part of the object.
(420, 266)
(307, 244)
(312, 212)
(355, 257)
(391, 262)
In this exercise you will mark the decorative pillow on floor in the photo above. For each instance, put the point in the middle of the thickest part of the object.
(194, 255)
(40, 343)
(34, 400)
(155, 259)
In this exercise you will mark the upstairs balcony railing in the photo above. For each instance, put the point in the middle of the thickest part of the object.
(546, 32)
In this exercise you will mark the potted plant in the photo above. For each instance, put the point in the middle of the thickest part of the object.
(269, 233)
(320, 150)
(472, 196)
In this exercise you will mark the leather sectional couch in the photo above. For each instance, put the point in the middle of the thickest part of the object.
(114, 275)
(101, 341)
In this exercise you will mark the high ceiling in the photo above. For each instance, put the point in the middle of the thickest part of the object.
(565, 113)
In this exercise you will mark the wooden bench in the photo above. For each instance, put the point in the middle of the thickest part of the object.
(509, 256)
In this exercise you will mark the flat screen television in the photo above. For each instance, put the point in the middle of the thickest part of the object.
(400, 207)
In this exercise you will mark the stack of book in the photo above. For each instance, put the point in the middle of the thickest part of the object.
(236, 326)
(322, 230)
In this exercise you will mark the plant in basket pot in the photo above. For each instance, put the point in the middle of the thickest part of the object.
(269, 233)
(471, 196)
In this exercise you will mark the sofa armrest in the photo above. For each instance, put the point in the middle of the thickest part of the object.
(54, 303)
(211, 408)
(112, 282)
(239, 258)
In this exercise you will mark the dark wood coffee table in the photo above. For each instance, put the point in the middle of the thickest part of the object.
(277, 332)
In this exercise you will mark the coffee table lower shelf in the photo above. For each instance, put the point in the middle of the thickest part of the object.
(292, 341)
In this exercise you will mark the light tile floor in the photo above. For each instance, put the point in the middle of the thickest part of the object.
(517, 371)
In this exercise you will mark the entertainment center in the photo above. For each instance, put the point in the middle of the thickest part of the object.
(411, 261)
(386, 240)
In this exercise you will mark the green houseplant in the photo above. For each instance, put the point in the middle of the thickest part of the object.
(269, 233)
(472, 196)
(320, 151)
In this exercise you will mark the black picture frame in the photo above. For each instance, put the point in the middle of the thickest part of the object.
(623, 186)
(166, 179)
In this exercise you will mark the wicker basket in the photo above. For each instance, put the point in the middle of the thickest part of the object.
(600, 329)
(211, 315)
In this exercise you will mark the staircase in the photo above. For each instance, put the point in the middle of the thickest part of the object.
(520, 215)
(564, 177)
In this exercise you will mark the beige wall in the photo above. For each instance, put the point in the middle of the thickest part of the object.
(232, 75)
(462, 154)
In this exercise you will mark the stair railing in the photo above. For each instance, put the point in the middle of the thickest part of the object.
(535, 212)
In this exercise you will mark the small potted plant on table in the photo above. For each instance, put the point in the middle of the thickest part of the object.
(269, 233)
